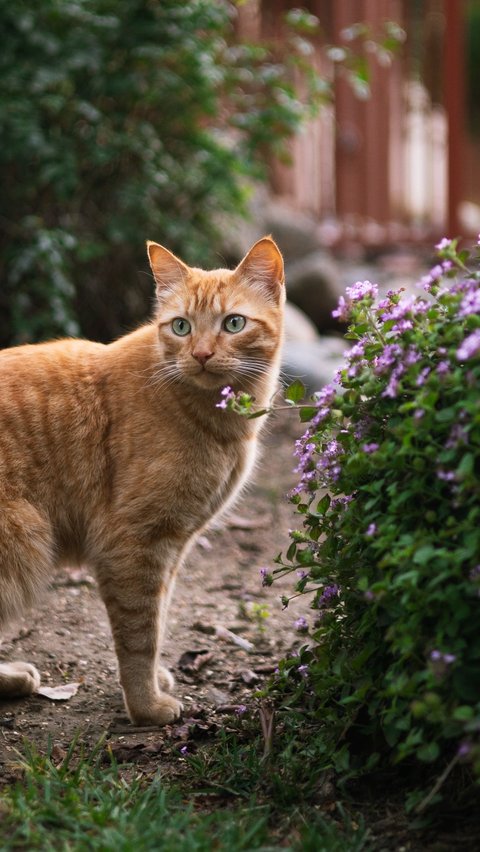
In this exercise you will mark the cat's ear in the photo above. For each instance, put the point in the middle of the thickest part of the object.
(167, 269)
(262, 267)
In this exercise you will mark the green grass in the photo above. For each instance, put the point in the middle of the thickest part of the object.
(84, 805)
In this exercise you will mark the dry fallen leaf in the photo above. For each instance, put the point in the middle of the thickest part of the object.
(192, 661)
(59, 693)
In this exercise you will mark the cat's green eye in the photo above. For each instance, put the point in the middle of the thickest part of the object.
(181, 326)
(234, 323)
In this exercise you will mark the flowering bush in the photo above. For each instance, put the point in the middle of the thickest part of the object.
(389, 549)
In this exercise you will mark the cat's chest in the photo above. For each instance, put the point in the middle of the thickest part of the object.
(186, 482)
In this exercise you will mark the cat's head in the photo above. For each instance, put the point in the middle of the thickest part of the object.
(223, 326)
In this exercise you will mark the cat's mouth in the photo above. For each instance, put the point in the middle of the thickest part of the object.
(206, 377)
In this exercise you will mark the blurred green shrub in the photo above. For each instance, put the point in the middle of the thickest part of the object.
(114, 118)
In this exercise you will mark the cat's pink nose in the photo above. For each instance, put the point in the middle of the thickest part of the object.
(202, 357)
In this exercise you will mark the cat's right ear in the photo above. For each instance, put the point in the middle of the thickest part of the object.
(167, 269)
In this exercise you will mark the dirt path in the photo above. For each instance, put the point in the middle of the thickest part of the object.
(69, 640)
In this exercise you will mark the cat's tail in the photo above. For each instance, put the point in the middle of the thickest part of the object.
(26, 556)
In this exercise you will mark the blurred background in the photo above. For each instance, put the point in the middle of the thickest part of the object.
(349, 129)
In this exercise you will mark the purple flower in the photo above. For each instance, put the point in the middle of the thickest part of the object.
(458, 435)
(422, 376)
(369, 595)
(267, 578)
(184, 750)
(303, 671)
(342, 311)
(443, 244)
(362, 290)
(370, 448)
(465, 748)
(301, 624)
(446, 475)
(328, 593)
(372, 530)
(470, 346)
(470, 304)
(228, 395)
(418, 414)
(437, 656)
(302, 574)
(443, 367)
(241, 709)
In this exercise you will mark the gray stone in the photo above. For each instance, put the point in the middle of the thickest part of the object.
(315, 362)
(297, 325)
(314, 285)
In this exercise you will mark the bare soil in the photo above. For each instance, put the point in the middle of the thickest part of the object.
(68, 638)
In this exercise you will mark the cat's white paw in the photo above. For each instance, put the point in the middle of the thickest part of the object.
(18, 679)
(166, 680)
(161, 712)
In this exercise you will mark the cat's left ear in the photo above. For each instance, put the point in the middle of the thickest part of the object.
(262, 267)
(167, 269)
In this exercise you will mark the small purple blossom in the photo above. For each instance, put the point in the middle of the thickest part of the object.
(465, 748)
(228, 395)
(470, 304)
(422, 377)
(302, 574)
(184, 750)
(328, 593)
(372, 530)
(303, 671)
(266, 577)
(443, 367)
(445, 243)
(301, 624)
(370, 448)
(437, 656)
(342, 311)
(241, 709)
(470, 346)
(458, 435)
(418, 414)
(362, 290)
(446, 475)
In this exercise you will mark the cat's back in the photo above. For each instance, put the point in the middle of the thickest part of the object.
(50, 413)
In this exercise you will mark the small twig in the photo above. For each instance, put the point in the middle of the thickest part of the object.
(267, 717)
(438, 783)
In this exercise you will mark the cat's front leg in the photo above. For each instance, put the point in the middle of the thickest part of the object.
(137, 601)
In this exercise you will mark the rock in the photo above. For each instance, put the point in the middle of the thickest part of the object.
(315, 362)
(314, 285)
(295, 232)
(297, 325)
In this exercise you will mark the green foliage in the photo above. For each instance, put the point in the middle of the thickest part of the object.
(87, 802)
(84, 805)
(389, 547)
(123, 120)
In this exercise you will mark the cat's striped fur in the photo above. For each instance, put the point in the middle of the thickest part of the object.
(117, 456)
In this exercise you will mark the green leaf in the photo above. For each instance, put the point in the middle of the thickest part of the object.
(295, 392)
(323, 504)
(428, 752)
(424, 554)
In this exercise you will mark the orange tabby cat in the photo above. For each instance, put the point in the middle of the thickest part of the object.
(117, 456)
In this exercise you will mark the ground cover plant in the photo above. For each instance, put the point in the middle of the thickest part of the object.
(389, 544)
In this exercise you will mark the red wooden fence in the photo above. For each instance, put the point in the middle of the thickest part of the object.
(389, 167)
